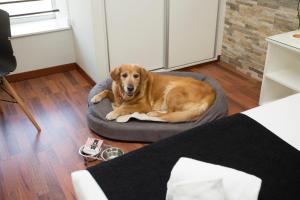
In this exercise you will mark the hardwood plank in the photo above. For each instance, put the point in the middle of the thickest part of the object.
(85, 75)
(38, 166)
(242, 91)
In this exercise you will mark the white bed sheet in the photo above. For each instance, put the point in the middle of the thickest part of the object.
(282, 117)
(86, 187)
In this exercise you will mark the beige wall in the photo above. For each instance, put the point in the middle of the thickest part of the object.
(44, 50)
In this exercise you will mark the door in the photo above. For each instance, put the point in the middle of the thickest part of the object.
(135, 30)
(192, 31)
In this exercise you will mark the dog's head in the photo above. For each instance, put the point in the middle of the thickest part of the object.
(130, 77)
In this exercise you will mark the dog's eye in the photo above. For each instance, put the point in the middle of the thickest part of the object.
(124, 75)
(136, 76)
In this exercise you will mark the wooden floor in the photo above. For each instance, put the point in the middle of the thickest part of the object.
(38, 166)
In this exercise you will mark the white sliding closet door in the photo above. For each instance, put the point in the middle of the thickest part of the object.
(135, 31)
(192, 31)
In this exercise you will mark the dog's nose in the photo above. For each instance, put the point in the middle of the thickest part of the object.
(130, 88)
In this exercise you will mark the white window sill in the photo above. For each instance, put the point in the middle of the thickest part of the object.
(39, 27)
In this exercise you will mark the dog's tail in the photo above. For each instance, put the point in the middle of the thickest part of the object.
(184, 116)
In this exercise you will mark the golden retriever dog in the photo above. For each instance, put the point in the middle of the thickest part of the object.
(168, 98)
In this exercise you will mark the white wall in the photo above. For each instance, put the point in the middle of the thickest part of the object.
(87, 21)
(222, 9)
(100, 40)
(43, 50)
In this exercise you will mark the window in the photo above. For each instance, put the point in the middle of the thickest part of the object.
(29, 10)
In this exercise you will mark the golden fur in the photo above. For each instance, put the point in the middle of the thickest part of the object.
(169, 98)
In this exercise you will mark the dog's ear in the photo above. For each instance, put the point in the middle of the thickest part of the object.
(115, 74)
(144, 74)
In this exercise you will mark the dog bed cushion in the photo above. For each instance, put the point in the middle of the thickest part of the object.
(147, 131)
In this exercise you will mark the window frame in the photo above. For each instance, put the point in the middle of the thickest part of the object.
(35, 16)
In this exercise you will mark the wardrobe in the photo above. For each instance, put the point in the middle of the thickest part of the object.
(161, 35)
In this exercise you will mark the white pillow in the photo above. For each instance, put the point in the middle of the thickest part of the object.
(237, 185)
(196, 190)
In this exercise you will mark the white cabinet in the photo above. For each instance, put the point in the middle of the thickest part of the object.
(192, 31)
(282, 68)
(135, 30)
(161, 33)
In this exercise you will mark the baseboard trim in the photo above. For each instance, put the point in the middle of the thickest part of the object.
(85, 75)
(41, 72)
(48, 71)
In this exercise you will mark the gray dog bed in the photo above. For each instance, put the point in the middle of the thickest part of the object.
(145, 131)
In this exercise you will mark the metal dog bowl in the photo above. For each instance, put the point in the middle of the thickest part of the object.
(111, 153)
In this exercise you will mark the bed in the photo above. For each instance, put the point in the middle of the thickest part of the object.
(268, 149)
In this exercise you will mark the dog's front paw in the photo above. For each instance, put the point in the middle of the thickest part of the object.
(123, 119)
(96, 99)
(112, 116)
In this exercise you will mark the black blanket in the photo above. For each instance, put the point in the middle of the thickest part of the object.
(237, 142)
